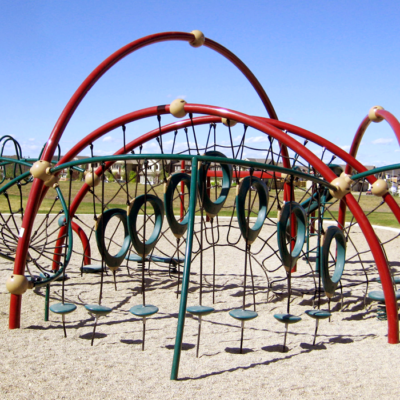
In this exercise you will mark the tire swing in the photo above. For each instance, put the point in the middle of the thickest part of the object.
(289, 258)
(112, 262)
(330, 284)
(143, 247)
(178, 228)
(213, 208)
(249, 235)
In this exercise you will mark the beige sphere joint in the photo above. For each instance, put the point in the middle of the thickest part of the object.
(177, 108)
(342, 183)
(198, 40)
(18, 284)
(41, 170)
(92, 179)
(379, 188)
(372, 114)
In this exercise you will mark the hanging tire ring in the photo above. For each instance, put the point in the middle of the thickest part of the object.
(289, 258)
(250, 234)
(330, 284)
(177, 228)
(134, 210)
(113, 262)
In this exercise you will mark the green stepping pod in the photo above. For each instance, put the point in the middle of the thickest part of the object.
(330, 284)
(50, 275)
(289, 259)
(287, 318)
(98, 309)
(135, 206)
(396, 280)
(91, 269)
(243, 315)
(378, 295)
(61, 308)
(250, 233)
(318, 314)
(213, 208)
(143, 310)
(200, 310)
(177, 228)
(110, 260)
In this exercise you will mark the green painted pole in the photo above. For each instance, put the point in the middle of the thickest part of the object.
(47, 303)
(375, 171)
(186, 272)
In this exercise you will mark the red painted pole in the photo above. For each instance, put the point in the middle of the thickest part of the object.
(84, 241)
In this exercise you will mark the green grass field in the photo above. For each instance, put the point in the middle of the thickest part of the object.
(383, 216)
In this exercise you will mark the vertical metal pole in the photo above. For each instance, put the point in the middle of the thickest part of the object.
(144, 332)
(47, 303)
(186, 272)
(284, 340)
(63, 322)
(198, 337)
(316, 330)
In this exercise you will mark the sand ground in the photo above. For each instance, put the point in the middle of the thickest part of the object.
(350, 359)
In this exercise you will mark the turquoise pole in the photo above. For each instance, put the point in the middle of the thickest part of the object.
(186, 272)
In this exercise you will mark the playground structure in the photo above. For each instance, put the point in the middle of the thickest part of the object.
(207, 173)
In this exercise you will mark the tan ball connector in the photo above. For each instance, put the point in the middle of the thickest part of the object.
(52, 181)
(379, 188)
(177, 108)
(199, 38)
(372, 116)
(18, 284)
(39, 170)
(92, 180)
(342, 183)
(231, 122)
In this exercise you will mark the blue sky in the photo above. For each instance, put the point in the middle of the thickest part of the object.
(322, 63)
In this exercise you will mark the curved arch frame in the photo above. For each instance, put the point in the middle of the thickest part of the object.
(266, 127)
(36, 194)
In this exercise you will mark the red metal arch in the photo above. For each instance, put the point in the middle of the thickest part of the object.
(264, 126)
(327, 174)
(36, 194)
